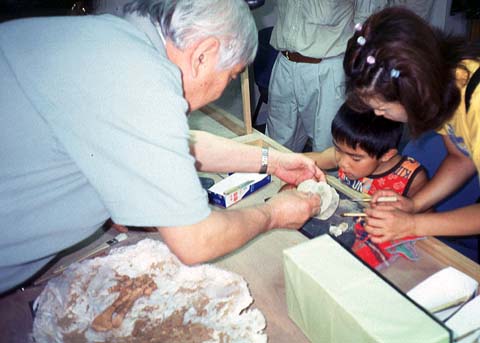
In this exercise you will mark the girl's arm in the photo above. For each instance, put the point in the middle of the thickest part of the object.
(419, 181)
(454, 171)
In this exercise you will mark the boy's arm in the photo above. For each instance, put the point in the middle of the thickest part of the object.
(324, 159)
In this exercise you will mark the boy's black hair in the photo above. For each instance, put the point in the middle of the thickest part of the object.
(374, 134)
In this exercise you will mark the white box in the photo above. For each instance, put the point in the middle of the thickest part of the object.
(235, 187)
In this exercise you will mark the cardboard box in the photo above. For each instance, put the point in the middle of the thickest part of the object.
(235, 187)
(334, 297)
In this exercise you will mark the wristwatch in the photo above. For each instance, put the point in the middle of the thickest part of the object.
(264, 167)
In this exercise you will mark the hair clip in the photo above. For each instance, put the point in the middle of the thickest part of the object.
(361, 40)
(370, 59)
(358, 27)
(394, 73)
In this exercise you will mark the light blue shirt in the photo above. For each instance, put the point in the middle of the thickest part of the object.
(93, 126)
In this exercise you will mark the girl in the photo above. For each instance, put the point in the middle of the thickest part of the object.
(402, 69)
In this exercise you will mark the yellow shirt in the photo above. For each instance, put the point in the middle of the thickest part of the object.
(464, 128)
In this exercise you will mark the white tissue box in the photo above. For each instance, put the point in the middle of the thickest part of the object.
(334, 297)
(235, 187)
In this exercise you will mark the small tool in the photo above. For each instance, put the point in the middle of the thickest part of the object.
(380, 199)
(457, 302)
(354, 214)
(118, 238)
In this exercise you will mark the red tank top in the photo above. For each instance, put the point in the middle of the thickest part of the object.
(397, 179)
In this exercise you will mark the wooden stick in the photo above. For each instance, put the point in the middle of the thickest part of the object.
(457, 309)
(453, 303)
(247, 113)
(380, 199)
(354, 214)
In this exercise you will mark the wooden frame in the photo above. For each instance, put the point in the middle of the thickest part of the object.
(246, 102)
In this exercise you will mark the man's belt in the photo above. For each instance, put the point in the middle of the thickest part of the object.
(299, 58)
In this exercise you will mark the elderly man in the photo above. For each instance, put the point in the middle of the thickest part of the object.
(94, 126)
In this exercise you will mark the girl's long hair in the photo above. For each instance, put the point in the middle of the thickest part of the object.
(397, 56)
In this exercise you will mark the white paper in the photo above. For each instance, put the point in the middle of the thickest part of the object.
(444, 288)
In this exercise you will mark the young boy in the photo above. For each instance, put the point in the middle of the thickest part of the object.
(365, 151)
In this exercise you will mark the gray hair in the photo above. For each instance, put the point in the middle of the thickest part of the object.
(186, 21)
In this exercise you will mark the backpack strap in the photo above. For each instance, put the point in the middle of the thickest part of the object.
(472, 84)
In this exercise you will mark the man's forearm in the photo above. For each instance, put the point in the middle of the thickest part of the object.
(218, 154)
(224, 231)
(217, 235)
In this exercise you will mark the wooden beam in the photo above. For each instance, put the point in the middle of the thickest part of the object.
(247, 112)
(224, 118)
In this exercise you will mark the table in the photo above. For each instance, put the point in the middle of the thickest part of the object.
(260, 262)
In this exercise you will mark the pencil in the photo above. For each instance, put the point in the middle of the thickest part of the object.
(354, 214)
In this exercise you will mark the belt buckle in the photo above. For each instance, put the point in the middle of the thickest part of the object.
(287, 55)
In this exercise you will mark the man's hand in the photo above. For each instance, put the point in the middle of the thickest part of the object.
(293, 168)
(224, 231)
(388, 224)
(290, 209)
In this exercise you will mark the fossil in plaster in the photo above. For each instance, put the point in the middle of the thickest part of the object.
(328, 194)
(143, 293)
